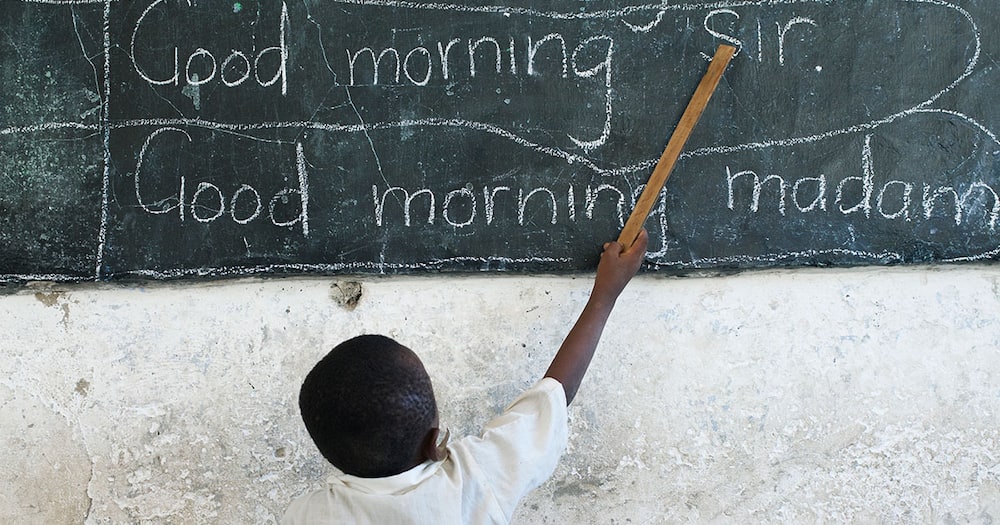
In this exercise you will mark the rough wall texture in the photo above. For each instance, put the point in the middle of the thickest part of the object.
(859, 395)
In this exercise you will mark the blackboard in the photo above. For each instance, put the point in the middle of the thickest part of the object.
(185, 138)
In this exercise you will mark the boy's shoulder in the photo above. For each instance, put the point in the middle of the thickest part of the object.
(475, 483)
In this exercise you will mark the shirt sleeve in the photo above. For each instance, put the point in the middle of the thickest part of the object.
(519, 449)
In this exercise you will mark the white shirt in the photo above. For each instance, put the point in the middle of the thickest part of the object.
(481, 481)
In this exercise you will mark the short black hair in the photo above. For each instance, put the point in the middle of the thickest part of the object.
(368, 406)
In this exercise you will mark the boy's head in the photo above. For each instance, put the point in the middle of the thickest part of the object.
(369, 407)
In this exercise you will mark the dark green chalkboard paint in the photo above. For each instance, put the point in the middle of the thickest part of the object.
(167, 138)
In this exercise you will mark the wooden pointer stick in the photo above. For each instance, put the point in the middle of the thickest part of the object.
(673, 150)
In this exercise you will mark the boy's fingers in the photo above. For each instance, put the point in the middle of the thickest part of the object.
(640, 242)
(639, 245)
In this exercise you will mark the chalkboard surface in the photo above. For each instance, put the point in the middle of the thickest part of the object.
(176, 138)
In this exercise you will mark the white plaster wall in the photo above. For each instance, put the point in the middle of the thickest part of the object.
(866, 395)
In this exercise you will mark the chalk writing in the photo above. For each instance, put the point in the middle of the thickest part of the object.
(541, 198)
(208, 202)
(202, 67)
(977, 197)
(781, 36)
(536, 121)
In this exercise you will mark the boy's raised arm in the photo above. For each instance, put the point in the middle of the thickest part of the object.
(616, 269)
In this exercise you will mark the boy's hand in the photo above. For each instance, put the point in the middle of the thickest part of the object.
(618, 266)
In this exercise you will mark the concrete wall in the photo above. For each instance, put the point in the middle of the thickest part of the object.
(836, 395)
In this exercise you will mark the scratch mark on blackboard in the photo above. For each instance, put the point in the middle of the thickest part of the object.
(13, 44)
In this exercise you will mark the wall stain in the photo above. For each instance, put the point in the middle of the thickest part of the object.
(48, 299)
(53, 299)
(576, 489)
(82, 387)
(346, 294)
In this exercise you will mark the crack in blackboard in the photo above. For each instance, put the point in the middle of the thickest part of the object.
(350, 99)
(364, 128)
(83, 48)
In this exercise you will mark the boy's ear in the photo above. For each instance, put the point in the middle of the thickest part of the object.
(432, 449)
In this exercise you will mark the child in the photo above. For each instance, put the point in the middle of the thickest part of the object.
(370, 409)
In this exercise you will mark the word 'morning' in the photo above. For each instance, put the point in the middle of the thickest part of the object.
(464, 206)
(420, 65)
(417, 67)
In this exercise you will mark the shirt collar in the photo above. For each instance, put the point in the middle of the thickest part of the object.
(397, 484)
